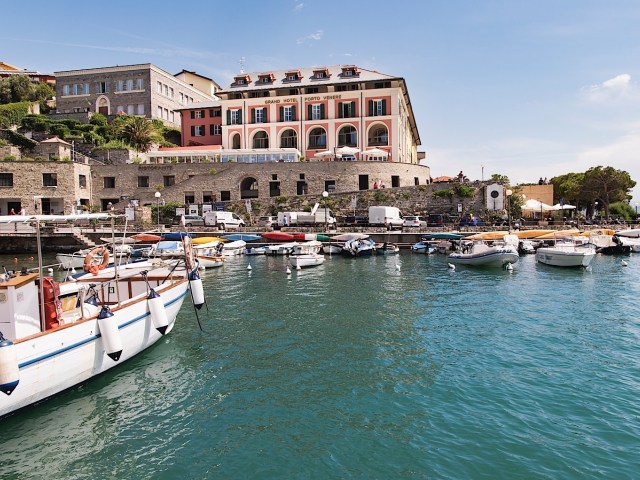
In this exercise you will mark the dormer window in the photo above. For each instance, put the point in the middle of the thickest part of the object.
(266, 79)
(320, 74)
(350, 71)
(241, 80)
(292, 76)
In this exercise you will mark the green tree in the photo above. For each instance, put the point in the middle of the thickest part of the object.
(608, 185)
(570, 188)
(139, 133)
(497, 178)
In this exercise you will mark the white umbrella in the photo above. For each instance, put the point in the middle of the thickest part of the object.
(325, 153)
(536, 206)
(563, 206)
(376, 152)
(347, 150)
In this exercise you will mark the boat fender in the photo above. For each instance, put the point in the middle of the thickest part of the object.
(9, 369)
(157, 311)
(197, 290)
(90, 307)
(94, 268)
(111, 339)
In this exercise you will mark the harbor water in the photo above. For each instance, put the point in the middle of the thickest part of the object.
(389, 367)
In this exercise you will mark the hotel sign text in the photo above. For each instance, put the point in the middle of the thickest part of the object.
(308, 99)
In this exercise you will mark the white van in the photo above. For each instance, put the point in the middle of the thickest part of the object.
(223, 220)
(389, 217)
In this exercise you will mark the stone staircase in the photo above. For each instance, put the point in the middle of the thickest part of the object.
(86, 241)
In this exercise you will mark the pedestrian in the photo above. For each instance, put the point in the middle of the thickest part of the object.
(460, 176)
(541, 181)
(12, 212)
(375, 185)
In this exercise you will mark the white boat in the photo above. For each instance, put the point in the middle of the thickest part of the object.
(54, 336)
(256, 251)
(166, 249)
(424, 246)
(209, 255)
(481, 254)
(631, 242)
(386, 248)
(306, 254)
(331, 249)
(234, 248)
(567, 252)
(281, 248)
(78, 258)
(358, 248)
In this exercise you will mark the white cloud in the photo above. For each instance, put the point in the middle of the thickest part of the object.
(298, 7)
(317, 35)
(618, 87)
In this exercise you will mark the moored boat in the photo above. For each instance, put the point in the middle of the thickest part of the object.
(480, 254)
(306, 254)
(66, 333)
(567, 252)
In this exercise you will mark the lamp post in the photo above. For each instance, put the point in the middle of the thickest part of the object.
(595, 209)
(508, 192)
(325, 194)
(158, 195)
(636, 213)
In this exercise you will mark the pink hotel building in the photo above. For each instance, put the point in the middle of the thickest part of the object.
(340, 112)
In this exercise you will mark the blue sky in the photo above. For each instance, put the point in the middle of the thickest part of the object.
(527, 89)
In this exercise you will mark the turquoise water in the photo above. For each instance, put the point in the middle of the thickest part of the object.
(355, 369)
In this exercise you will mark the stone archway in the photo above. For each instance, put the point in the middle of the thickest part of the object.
(249, 188)
(103, 106)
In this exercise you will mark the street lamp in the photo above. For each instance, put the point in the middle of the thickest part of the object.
(508, 193)
(158, 195)
(325, 194)
(636, 212)
(595, 210)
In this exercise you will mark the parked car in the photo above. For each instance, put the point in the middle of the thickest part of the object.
(361, 220)
(439, 220)
(414, 221)
(267, 221)
(190, 220)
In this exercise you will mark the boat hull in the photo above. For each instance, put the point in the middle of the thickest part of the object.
(76, 352)
(498, 258)
(306, 260)
(558, 258)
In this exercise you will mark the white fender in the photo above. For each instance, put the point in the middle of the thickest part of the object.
(157, 311)
(110, 334)
(197, 290)
(9, 370)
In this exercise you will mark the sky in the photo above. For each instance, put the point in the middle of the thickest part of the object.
(522, 88)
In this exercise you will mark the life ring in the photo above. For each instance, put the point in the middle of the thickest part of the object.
(93, 267)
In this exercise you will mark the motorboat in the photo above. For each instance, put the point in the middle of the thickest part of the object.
(166, 249)
(55, 335)
(306, 254)
(610, 245)
(482, 254)
(358, 247)
(281, 248)
(567, 252)
(332, 249)
(424, 246)
(234, 248)
(256, 251)
(209, 255)
(386, 248)
(527, 246)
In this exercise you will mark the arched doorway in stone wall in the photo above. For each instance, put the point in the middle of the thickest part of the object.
(249, 188)
(102, 106)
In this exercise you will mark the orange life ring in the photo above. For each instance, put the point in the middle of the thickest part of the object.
(94, 268)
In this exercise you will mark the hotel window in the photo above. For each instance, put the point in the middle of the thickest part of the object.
(189, 197)
(159, 87)
(316, 112)
(311, 90)
(216, 112)
(169, 180)
(261, 140)
(318, 138)
(120, 86)
(109, 182)
(6, 179)
(181, 97)
(197, 131)
(129, 85)
(130, 109)
(197, 113)
(379, 136)
(346, 109)
(234, 117)
(81, 89)
(102, 87)
(288, 113)
(82, 181)
(143, 182)
(320, 74)
(171, 92)
(49, 179)
(377, 108)
(65, 90)
(215, 129)
(347, 136)
(166, 90)
(172, 117)
(140, 84)
(259, 115)
(159, 112)
(289, 139)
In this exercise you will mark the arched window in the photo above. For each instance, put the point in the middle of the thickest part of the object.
(261, 140)
(289, 139)
(378, 135)
(235, 141)
(318, 138)
(348, 137)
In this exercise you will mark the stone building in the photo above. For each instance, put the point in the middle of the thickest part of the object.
(144, 90)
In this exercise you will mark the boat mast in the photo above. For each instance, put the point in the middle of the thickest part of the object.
(40, 278)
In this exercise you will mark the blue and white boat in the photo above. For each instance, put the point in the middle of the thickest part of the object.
(358, 247)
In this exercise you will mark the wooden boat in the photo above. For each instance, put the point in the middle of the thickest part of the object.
(146, 237)
(57, 335)
(306, 254)
(208, 260)
(278, 236)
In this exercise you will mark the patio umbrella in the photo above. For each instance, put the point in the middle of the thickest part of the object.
(533, 205)
(376, 152)
(347, 150)
(563, 206)
(325, 153)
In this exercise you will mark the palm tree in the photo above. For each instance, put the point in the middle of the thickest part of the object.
(139, 132)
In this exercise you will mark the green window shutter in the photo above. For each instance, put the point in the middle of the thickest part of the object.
(239, 117)
(281, 114)
(293, 113)
(322, 111)
(310, 110)
(353, 109)
(264, 115)
(384, 107)
(193, 130)
(371, 108)
(253, 115)
(228, 117)
(193, 114)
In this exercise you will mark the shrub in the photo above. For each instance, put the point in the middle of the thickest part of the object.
(98, 119)
(60, 130)
(13, 113)
(9, 158)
